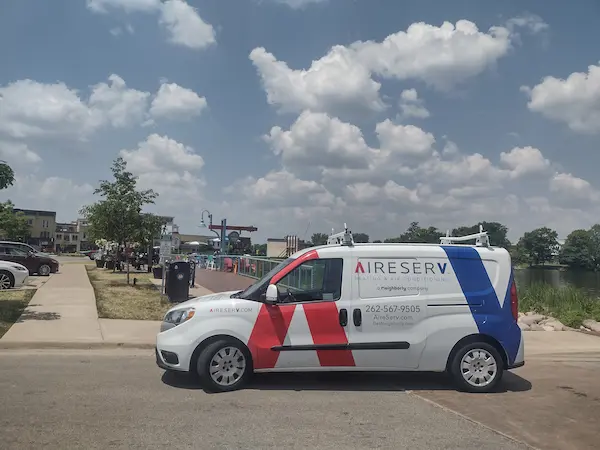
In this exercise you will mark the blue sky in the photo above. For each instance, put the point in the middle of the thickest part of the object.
(195, 87)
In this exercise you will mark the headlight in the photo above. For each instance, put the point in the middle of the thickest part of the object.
(179, 316)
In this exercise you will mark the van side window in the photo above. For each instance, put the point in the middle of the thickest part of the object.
(316, 280)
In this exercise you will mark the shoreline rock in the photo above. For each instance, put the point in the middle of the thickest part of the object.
(531, 321)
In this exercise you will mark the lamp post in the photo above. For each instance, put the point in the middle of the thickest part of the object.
(210, 222)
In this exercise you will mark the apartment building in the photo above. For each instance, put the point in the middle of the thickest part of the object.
(43, 225)
(72, 237)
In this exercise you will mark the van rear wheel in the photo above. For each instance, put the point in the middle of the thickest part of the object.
(477, 367)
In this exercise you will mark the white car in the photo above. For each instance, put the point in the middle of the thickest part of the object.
(357, 307)
(12, 275)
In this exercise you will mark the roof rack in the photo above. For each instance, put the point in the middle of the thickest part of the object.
(481, 239)
(341, 238)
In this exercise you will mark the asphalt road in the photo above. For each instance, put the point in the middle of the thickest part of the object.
(120, 399)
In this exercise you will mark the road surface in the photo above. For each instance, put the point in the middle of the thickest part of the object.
(119, 399)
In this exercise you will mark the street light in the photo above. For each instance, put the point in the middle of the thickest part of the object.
(210, 222)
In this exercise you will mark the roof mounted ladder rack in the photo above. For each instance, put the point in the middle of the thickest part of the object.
(341, 238)
(481, 239)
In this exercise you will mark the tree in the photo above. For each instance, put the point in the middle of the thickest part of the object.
(318, 239)
(118, 216)
(259, 249)
(360, 238)
(7, 176)
(582, 249)
(416, 234)
(540, 245)
(496, 232)
(576, 251)
(149, 228)
(13, 225)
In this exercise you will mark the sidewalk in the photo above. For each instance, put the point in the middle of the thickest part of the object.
(62, 314)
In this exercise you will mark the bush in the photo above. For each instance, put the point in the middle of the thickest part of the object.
(568, 304)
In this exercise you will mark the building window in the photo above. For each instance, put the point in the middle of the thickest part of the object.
(59, 237)
(66, 237)
(45, 224)
(30, 222)
(84, 236)
(45, 234)
(74, 237)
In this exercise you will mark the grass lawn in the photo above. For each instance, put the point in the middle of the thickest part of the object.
(117, 300)
(569, 305)
(12, 304)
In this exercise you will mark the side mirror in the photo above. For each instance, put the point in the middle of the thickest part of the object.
(272, 294)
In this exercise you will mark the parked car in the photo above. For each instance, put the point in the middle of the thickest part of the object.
(35, 262)
(12, 275)
(23, 246)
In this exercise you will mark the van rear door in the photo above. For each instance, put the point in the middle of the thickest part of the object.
(388, 310)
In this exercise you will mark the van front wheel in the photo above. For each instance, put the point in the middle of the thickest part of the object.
(477, 367)
(224, 365)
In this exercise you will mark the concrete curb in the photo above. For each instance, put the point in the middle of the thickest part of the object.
(73, 345)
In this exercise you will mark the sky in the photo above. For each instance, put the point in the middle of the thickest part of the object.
(297, 116)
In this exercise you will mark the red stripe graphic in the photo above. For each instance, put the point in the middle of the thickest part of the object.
(270, 329)
(325, 328)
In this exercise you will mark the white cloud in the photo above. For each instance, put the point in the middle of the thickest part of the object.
(334, 81)
(129, 6)
(412, 106)
(441, 56)
(573, 187)
(185, 25)
(117, 104)
(329, 175)
(574, 101)
(30, 109)
(298, 4)
(524, 160)
(173, 100)
(16, 153)
(182, 22)
(171, 169)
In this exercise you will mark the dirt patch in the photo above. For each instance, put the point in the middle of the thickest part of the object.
(12, 305)
(115, 299)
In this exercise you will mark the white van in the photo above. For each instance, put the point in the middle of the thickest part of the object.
(357, 307)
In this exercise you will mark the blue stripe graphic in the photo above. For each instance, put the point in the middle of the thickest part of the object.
(491, 319)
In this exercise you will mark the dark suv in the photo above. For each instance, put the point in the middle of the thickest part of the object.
(35, 262)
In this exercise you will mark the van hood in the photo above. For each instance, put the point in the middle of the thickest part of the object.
(221, 302)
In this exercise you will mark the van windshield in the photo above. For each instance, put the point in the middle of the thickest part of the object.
(254, 291)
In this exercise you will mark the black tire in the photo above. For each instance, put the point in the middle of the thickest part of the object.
(456, 371)
(203, 365)
(43, 272)
(11, 279)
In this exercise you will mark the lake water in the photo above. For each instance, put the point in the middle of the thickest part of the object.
(588, 281)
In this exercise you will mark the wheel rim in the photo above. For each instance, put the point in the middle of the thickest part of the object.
(478, 367)
(4, 281)
(227, 366)
(44, 270)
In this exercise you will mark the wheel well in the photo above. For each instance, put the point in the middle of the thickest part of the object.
(202, 345)
(477, 338)
(11, 277)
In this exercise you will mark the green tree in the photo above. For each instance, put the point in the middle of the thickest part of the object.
(7, 176)
(576, 251)
(118, 215)
(13, 225)
(539, 245)
(318, 239)
(416, 234)
(148, 229)
(259, 249)
(360, 238)
(496, 232)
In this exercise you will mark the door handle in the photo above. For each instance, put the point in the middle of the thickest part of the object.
(357, 317)
(343, 317)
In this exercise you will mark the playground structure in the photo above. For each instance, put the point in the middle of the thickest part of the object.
(222, 231)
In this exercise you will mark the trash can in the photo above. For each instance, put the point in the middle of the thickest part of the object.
(177, 281)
